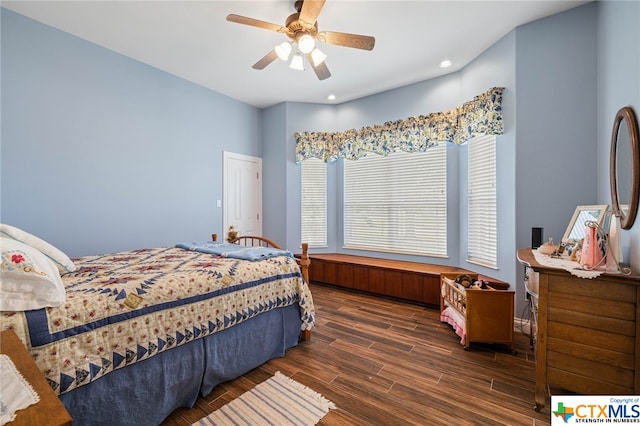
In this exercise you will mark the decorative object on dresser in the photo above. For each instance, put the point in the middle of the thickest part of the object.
(586, 242)
(548, 248)
(587, 335)
(477, 314)
(536, 237)
(577, 228)
(144, 332)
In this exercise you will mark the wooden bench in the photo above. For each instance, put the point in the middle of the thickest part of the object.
(412, 281)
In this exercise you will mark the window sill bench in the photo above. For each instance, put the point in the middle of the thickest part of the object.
(411, 281)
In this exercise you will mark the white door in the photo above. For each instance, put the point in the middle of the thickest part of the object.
(242, 197)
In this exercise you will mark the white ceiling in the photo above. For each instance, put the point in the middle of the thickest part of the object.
(193, 40)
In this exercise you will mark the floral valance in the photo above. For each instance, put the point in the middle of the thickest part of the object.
(482, 115)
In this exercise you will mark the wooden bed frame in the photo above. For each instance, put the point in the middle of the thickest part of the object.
(488, 313)
(255, 241)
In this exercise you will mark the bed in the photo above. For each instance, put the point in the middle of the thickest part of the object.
(143, 332)
(475, 314)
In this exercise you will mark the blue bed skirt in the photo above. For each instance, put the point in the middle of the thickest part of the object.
(146, 393)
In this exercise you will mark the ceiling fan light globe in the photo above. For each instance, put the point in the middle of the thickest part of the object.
(306, 43)
(318, 56)
(283, 50)
(297, 62)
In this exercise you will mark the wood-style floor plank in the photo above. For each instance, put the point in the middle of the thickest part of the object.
(386, 362)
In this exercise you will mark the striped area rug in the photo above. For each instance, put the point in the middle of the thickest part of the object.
(279, 400)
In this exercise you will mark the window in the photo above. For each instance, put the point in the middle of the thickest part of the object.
(314, 202)
(397, 203)
(482, 238)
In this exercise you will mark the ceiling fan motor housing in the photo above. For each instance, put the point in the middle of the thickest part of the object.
(296, 26)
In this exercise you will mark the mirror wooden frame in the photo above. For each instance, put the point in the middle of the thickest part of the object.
(626, 218)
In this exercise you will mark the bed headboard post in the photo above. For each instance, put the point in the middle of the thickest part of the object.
(305, 262)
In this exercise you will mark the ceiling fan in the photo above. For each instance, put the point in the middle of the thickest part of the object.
(302, 29)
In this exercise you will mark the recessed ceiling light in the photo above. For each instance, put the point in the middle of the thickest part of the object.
(331, 97)
(445, 64)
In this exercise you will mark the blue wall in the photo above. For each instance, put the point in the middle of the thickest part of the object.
(103, 153)
(556, 149)
(618, 86)
(548, 156)
(556, 66)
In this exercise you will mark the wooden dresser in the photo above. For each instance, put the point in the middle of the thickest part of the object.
(49, 410)
(588, 336)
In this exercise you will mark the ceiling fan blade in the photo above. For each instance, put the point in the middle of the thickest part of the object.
(255, 23)
(266, 60)
(347, 40)
(311, 10)
(321, 70)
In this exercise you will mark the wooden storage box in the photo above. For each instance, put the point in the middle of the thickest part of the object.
(487, 315)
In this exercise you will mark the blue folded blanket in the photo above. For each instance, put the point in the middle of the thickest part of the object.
(234, 251)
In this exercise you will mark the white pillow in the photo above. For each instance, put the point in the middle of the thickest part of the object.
(28, 279)
(61, 260)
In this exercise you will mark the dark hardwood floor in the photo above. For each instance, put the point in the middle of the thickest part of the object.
(384, 362)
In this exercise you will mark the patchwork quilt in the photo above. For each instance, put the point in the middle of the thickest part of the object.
(125, 307)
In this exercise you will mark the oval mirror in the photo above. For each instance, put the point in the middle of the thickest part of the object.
(624, 173)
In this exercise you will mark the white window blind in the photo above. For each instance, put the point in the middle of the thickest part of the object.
(314, 202)
(482, 229)
(397, 203)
